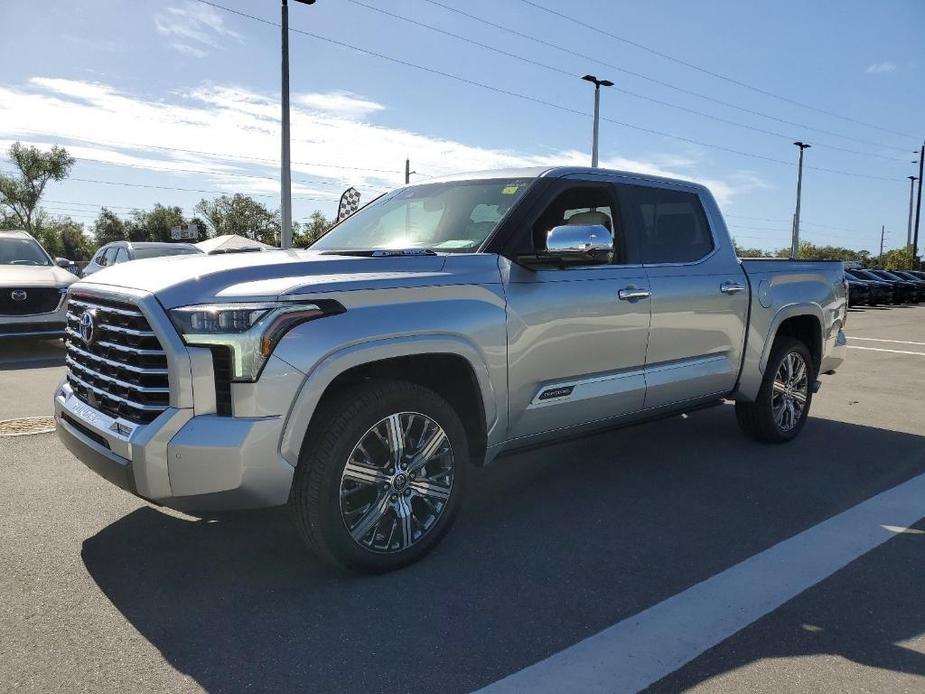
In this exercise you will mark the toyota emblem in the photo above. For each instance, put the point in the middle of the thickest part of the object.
(19, 295)
(88, 326)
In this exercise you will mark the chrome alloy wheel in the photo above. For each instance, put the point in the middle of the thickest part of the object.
(396, 482)
(791, 389)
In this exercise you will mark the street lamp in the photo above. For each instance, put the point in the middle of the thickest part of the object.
(795, 243)
(912, 180)
(597, 111)
(285, 172)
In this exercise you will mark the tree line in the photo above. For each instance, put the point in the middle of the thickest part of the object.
(20, 208)
(896, 259)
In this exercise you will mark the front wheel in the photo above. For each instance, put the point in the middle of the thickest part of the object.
(381, 476)
(782, 406)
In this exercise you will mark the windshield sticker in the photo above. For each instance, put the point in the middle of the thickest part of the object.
(510, 190)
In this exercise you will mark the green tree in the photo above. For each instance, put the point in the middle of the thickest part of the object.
(109, 227)
(743, 252)
(900, 259)
(813, 252)
(242, 215)
(314, 229)
(154, 224)
(21, 193)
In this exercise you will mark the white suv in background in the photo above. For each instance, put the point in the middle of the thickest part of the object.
(124, 251)
(32, 288)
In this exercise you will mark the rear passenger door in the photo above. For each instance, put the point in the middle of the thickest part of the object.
(699, 295)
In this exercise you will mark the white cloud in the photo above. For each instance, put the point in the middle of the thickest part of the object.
(875, 68)
(239, 128)
(341, 103)
(193, 28)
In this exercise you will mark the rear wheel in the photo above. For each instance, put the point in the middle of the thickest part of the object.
(381, 476)
(782, 406)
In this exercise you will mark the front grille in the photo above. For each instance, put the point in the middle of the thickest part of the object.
(26, 301)
(123, 370)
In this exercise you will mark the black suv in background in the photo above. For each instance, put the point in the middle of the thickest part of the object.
(908, 290)
(881, 291)
(917, 281)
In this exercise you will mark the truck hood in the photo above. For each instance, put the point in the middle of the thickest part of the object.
(35, 276)
(264, 276)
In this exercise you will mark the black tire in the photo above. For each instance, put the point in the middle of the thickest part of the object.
(757, 419)
(337, 428)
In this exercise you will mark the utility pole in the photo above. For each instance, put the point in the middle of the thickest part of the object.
(795, 242)
(912, 180)
(597, 112)
(882, 234)
(408, 171)
(918, 206)
(285, 187)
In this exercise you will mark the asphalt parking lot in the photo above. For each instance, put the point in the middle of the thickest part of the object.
(617, 535)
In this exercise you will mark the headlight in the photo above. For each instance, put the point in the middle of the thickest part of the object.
(249, 331)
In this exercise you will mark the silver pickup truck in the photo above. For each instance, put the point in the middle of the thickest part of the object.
(440, 326)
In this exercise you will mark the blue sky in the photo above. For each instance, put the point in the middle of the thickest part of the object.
(127, 85)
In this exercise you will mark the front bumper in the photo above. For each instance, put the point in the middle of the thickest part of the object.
(191, 463)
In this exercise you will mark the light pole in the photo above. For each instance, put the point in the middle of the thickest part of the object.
(285, 192)
(795, 243)
(912, 180)
(918, 207)
(597, 112)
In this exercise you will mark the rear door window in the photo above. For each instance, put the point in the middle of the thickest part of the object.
(667, 226)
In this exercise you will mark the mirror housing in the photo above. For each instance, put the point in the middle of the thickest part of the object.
(574, 245)
(63, 262)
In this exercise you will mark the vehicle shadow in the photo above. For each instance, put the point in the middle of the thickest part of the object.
(552, 546)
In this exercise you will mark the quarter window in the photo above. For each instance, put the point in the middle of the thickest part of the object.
(669, 226)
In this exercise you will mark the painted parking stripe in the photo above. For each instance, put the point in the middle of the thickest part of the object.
(880, 339)
(881, 349)
(642, 649)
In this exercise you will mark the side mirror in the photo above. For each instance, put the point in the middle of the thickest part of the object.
(63, 262)
(575, 244)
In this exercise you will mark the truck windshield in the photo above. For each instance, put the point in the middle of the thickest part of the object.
(453, 217)
(22, 252)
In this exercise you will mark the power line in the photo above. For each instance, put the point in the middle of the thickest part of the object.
(569, 74)
(184, 190)
(675, 87)
(705, 71)
(532, 99)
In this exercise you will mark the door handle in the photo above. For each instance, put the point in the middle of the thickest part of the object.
(731, 288)
(633, 294)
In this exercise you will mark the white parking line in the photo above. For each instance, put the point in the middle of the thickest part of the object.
(880, 349)
(880, 339)
(642, 649)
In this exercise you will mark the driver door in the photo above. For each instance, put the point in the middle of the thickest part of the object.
(576, 350)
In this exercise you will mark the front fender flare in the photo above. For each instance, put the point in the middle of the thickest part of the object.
(335, 363)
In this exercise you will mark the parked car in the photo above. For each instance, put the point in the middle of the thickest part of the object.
(440, 326)
(32, 288)
(124, 251)
(907, 289)
(894, 291)
(881, 291)
(859, 292)
(917, 281)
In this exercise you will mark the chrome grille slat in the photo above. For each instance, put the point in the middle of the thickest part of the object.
(123, 372)
(122, 348)
(117, 398)
(106, 309)
(123, 384)
(115, 364)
